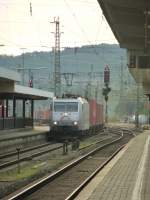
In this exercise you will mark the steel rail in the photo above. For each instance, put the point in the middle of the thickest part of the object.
(92, 144)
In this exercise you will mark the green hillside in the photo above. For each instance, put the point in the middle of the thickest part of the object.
(72, 60)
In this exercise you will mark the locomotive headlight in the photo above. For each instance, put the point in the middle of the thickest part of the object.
(75, 123)
(55, 123)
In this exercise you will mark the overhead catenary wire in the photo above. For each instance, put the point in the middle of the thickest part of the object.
(82, 30)
(99, 28)
(77, 22)
(13, 3)
(32, 18)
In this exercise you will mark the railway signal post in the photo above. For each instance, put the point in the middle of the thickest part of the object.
(106, 90)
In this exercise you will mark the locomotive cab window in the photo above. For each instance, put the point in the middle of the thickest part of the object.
(59, 107)
(66, 107)
(72, 107)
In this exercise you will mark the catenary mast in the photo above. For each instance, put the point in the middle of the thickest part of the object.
(57, 71)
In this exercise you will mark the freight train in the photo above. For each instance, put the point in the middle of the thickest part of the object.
(75, 117)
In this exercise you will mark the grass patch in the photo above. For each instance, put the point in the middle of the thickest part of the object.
(25, 172)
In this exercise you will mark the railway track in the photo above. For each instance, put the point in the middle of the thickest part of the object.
(69, 180)
(27, 154)
(10, 159)
(2, 156)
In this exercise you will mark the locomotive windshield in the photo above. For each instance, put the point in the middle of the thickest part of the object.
(66, 106)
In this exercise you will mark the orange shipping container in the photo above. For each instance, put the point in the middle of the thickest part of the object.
(96, 113)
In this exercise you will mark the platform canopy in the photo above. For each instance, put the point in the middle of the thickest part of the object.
(9, 88)
(22, 92)
(129, 21)
(9, 75)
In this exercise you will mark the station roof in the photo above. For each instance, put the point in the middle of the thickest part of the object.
(9, 88)
(22, 92)
(129, 21)
(9, 75)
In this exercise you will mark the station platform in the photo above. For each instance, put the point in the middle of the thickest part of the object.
(22, 138)
(23, 132)
(126, 177)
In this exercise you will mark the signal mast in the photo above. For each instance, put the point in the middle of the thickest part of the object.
(106, 90)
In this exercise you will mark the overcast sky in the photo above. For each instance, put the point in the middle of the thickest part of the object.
(28, 29)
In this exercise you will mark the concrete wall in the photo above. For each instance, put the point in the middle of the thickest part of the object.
(22, 142)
